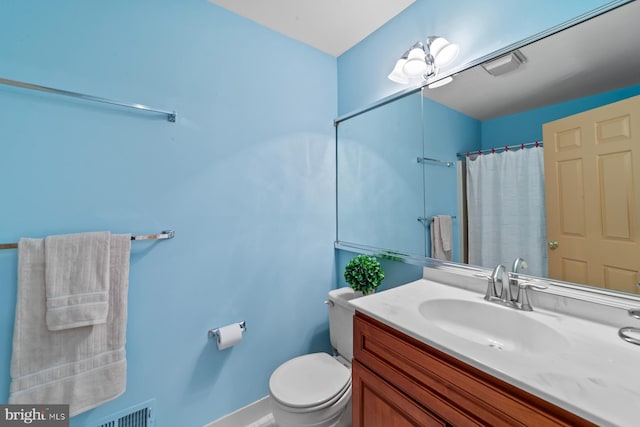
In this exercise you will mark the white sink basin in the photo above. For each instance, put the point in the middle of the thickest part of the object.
(492, 325)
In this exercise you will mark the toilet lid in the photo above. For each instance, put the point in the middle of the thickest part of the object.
(309, 380)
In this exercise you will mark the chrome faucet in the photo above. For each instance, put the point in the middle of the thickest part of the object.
(519, 263)
(519, 300)
(499, 276)
(491, 293)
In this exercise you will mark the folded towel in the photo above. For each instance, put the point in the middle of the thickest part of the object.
(441, 236)
(83, 367)
(77, 279)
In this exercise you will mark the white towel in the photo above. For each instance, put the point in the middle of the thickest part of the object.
(441, 247)
(77, 279)
(83, 367)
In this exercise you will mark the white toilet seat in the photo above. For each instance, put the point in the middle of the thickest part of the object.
(309, 383)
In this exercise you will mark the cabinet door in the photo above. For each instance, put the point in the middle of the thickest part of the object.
(448, 388)
(378, 404)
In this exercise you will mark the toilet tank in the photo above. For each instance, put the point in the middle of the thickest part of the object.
(341, 321)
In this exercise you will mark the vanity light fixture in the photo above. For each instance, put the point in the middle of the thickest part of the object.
(416, 63)
(422, 62)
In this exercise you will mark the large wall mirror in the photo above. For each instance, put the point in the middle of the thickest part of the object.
(416, 156)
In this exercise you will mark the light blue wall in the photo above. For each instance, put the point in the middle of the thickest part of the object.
(479, 27)
(525, 127)
(245, 178)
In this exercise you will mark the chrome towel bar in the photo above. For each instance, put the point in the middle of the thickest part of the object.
(166, 234)
(171, 115)
(427, 221)
(441, 162)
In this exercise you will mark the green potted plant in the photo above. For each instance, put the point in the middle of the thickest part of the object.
(364, 273)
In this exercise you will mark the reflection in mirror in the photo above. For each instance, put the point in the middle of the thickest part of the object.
(450, 133)
(570, 72)
(379, 179)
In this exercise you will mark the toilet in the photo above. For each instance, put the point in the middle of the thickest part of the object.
(314, 390)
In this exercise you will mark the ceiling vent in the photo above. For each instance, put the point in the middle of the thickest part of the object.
(505, 63)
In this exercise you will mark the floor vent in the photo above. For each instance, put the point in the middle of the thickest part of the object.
(142, 415)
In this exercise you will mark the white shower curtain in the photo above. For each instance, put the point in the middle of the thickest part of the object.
(506, 209)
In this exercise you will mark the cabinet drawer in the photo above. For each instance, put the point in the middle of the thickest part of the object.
(452, 390)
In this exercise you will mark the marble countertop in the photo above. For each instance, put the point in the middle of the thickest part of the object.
(591, 371)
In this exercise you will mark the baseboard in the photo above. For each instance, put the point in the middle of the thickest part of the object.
(246, 416)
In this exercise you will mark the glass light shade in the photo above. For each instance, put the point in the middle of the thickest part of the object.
(443, 52)
(415, 65)
(397, 75)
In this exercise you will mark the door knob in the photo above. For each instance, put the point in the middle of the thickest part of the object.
(553, 245)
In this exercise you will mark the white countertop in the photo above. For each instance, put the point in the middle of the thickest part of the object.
(594, 373)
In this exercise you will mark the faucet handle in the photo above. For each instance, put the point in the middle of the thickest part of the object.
(491, 286)
(531, 285)
(523, 298)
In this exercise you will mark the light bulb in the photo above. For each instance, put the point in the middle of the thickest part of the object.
(415, 64)
(397, 75)
(443, 52)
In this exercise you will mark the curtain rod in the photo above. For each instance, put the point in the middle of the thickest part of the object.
(171, 115)
(500, 149)
(166, 234)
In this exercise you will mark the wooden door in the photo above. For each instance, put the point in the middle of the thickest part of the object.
(592, 198)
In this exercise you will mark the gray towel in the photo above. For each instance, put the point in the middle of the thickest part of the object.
(441, 232)
(77, 279)
(83, 367)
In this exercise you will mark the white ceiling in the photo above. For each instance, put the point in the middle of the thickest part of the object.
(332, 26)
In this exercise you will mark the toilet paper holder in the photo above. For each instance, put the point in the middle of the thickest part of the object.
(214, 332)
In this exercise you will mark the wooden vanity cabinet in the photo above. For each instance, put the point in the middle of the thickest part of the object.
(399, 381)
